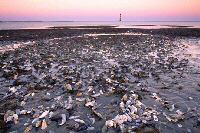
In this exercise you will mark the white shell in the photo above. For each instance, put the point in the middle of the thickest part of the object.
(74, 117)
(23, 112)
(109, 123)
(15, 118)
(133, 108)
(179, 112)
(80, 99)
(44, 114)
(78, 120)
(51, 114)
(70, 99)
(96, 95)
(90, 103)
(12, 89)
(119, 119)
(179, 125)
(155, 118)
(63, 119)
(9, 118)
(36, 119)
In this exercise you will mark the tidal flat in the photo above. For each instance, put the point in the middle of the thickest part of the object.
(100, 79)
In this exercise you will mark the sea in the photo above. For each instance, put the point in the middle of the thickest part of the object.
(13, 25)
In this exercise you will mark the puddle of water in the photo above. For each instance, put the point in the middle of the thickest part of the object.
(191, 51)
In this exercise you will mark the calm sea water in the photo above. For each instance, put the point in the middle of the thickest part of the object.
(5, 25)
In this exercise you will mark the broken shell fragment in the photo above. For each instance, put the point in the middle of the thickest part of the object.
(155, 118)
(8, 113)
(133, 108)
(90, 104)
(80, 99)
(12, 89)
(92, 120)
(9, 118)
(15, 118)
(44, 114)
(109, 123)
(68, 106)
(179, 125)
(98, 114)
(176, 116)
(70, 99)
(44, 124)
(179, 112)
(23, 112)
(96, 95)
(28, 129)
(156, 97)
(169, 106)
(74, 117)
(38, 123)
(79, 94)
(51, 114)
(140, 105)
(90, 128)
(35, 120)
(79, 120)
(63, 119)
(119, 119)
(68, 87)
(125, 98)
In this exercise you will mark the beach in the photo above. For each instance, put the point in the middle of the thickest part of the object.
(100, 79)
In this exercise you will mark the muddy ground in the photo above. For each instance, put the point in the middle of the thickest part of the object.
(101, 79)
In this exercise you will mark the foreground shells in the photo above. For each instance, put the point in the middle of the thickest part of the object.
(107, 83)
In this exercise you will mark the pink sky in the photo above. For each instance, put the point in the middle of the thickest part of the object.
(99, 10)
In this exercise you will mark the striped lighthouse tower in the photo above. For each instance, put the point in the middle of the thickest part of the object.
(120, 19)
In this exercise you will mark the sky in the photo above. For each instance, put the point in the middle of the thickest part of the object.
(99, 10)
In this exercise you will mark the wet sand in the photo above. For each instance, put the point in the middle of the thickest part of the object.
(100, 79)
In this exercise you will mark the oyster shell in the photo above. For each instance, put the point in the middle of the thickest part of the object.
(63, 119)
(44, 114)
(44, 124)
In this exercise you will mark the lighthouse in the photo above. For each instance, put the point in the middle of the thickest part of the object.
(120, 19)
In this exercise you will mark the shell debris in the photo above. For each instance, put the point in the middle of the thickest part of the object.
(28, 129)
(96, 95)
(156, 97)
(68, 87)
(8, 113)
(90, 104)
(70, 99)
(96, 113)
(38, 123)
(15, 116)
(79, 120)
(44, 114)
(63, 119)
(44, 125)
(74, 117)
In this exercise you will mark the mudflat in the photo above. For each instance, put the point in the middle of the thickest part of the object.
(100, 79)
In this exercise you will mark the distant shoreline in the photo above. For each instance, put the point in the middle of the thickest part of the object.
(11, 25)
